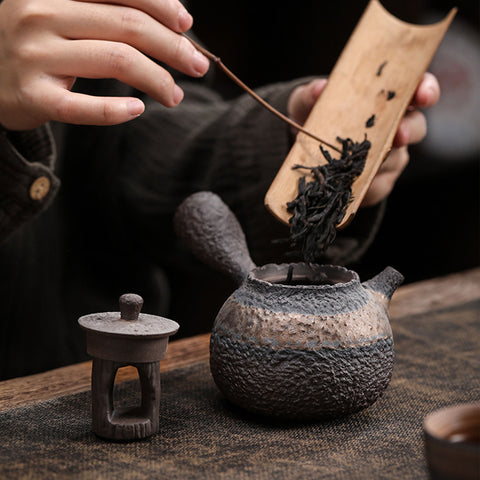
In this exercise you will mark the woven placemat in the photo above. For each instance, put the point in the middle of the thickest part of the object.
(203, 437)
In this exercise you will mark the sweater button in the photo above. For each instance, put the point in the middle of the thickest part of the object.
(39, 188)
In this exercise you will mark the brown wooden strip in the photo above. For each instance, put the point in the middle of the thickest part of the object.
(76, 378)
(435, 294)
(416, 298)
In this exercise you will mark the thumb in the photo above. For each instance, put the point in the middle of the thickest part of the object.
(303, 98)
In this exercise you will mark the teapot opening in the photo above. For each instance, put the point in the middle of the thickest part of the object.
(306, 281)
(302, 274)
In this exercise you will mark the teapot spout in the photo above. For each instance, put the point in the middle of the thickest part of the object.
(386, 282)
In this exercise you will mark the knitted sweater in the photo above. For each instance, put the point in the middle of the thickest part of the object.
(72, 250)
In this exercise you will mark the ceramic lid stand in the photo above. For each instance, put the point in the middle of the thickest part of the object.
(118, 339)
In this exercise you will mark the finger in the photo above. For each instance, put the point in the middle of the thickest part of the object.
(385, 179)
(303, 99)
(412, 129)
(69, 107)
(428, 92)
(98, 59)
(169, 12)
(133, 27)
(396, 161)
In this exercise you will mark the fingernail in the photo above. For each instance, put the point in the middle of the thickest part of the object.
(135, 108)
(319, 86)
(432, 91)
(177, 94)
(185, 21)
(200, 63)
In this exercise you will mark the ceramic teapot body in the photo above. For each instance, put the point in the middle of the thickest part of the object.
(304, 350)
(294, 340)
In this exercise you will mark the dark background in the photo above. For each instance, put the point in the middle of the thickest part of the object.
(432, 223)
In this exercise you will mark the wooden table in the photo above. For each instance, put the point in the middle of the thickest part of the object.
(420, 297)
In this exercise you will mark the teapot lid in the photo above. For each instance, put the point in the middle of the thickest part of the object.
(129, 322)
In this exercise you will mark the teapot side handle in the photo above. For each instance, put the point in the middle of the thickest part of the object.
(211, 231)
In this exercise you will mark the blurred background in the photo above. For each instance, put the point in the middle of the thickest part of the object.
(433, 219)
(432, 223)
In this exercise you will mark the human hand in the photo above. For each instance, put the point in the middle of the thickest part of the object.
(46, 44)
(412, 129)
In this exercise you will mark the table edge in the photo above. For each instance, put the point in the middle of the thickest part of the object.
(416, 298)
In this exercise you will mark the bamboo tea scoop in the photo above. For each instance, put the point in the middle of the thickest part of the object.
(368, 93)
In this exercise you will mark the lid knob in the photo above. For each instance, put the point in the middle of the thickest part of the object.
(130, 306)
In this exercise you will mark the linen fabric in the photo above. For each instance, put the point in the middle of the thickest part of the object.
(203, 436)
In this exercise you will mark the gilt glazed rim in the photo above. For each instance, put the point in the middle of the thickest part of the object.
(441, 423)
(254, 277)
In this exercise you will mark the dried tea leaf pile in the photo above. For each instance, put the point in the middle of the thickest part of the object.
(321, 203)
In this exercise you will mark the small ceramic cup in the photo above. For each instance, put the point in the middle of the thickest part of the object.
(452, 442)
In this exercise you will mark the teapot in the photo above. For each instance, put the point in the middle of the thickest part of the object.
(296, 341)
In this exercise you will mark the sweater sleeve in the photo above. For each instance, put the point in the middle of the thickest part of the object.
(27, 182)
(233, 148)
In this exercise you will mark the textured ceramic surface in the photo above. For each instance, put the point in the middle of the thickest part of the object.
(118, 339)
(304, 351)
(297, 341)
(213, 234)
